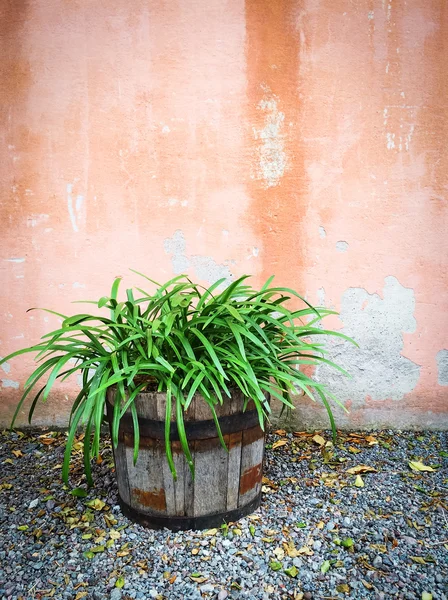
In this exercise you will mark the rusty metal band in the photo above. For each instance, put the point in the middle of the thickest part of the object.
(195, 430)
(183, 523)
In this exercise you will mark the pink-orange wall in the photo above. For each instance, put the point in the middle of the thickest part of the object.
(221, 137)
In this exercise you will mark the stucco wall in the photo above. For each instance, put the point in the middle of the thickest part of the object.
(302, 138)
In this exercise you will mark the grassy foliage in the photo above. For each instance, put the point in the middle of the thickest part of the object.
(185, 339)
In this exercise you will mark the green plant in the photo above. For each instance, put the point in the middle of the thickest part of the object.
(184, 339)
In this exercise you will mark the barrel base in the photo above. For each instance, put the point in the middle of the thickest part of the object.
(182, 523)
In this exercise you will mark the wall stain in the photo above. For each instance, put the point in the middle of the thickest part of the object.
(276, 182)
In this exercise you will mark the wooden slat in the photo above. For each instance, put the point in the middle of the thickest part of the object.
(233, 442)
(251, 467)
(146, 482)
(121, 470)
(210, 485)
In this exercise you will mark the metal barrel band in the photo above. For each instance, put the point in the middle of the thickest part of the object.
(195, 430)
(183, 523)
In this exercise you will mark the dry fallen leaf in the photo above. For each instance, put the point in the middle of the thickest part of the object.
(318, 439)
(361, 469)
(418, 559)
(279, 553)
(305, 550)
(279, 443)
(359, 482)
(416, 465)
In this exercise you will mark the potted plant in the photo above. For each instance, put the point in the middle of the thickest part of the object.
(185, 375)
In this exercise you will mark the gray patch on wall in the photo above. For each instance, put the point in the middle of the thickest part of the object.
(9, 383)
(341, 246)
(377, 368)
(442, 367)
(6, 366)
(205, 267)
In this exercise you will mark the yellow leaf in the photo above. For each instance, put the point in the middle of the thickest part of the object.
(361, 469)
(353, 450)
(80, 595)
(279, 553)
(96, 504)
(359, 482)
(114, 535)
(198, 578)
(195, 551)
(210, 532)
(280, 432)
(343, 587)
(279, 443)
(318, 439)
(320, 525)
(418, 559)
(305, 550)
(419, 466)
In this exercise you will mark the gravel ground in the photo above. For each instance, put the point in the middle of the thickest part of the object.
(322, 532)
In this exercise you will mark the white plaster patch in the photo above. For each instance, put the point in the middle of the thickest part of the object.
(341, 246)
(74, 206)
(377, 367)
(76, 285)
(9, 383)
(206, 268)
(442, 367)
(322, 232)
(271, 156)
(6, 367)
(321, 296)
(15, 260)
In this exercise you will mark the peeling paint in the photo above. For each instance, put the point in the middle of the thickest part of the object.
(341, 246)
(442, 367)
(15, 260)
(271, 155)
(321, 296)
(74, 209)
(6, 367)
(205, 267)
(378, 369)
(9, 383)
(322, 232)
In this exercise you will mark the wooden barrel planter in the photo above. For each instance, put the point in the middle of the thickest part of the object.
(227, 485)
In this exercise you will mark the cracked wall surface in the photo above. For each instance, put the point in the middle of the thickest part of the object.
(222, 139)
